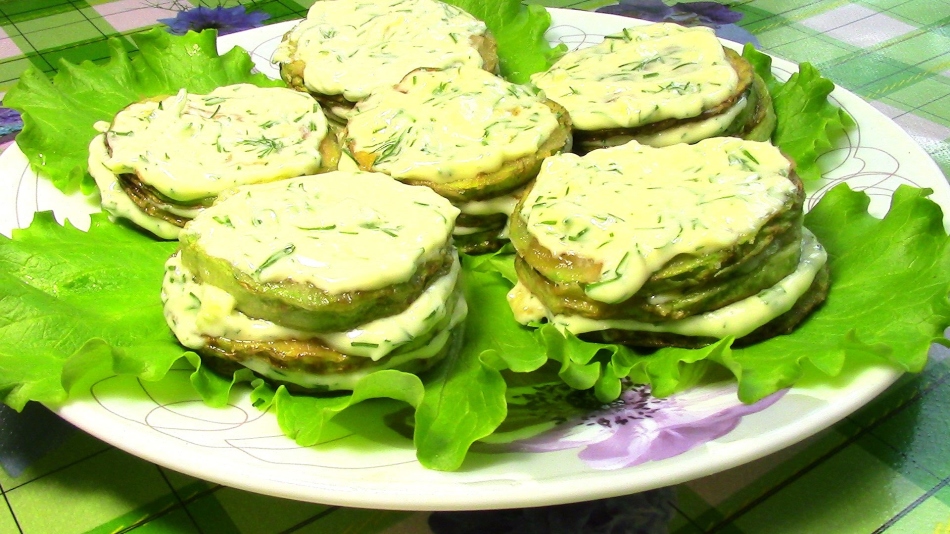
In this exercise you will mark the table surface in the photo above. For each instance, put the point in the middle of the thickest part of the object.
(886, 468)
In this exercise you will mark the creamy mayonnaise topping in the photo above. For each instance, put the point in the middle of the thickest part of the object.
(449, 124)
(689, 132)
(736, 319)
(380, 337)
(633, 208)
(350, 48)
(117, 203)
(196, 311)
(504, 204)
(426, 355)
(643, 75)
(339, 231)
(189, 147)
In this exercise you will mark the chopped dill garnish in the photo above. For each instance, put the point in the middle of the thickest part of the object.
(273, 258)
(265, 145)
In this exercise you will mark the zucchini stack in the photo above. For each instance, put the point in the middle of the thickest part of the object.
(659, 85)
(317, 281)
(673, 246)
(346, 49)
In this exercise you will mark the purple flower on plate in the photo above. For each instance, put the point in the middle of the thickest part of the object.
(10, 121)
(714, 15)
(639, 428)
(10, 124)
(224, 19)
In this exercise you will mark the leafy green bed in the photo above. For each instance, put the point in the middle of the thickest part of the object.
(77, 304)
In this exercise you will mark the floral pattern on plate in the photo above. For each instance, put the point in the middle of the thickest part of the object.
(639, 427)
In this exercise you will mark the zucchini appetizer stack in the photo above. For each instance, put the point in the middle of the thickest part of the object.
(472, 137)
(345, 49)
(319, 280)
(162, 161)
(659, 84)
(674, 246)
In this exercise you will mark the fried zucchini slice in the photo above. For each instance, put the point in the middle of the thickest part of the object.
(322, 253)
(163, 160)
(784, 324)
(462, 132)
(673, 213)
(691, 296)
(659, 84)
(203, 318)
(344, 50)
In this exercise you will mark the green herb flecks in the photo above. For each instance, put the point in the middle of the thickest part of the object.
(749, 156)
(388, 148)
(739, 161)
(264, 145)
(275, 257)
(224, 220)
(610, 276)
(373, 225)
(326, 228)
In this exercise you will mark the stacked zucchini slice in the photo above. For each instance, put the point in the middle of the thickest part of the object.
(318, 280)
(679, 245)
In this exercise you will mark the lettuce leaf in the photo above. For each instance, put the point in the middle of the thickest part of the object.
(519, 31)
(465, 397)
(888, 303)
(59, 114)
(806, 121)
(75, 303)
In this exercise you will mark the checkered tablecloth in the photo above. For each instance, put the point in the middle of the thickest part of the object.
(884, 469)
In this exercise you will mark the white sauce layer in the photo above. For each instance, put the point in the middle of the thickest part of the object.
(643, 75)
(189, 147)
(380, 337)
(501, 204)
(690, 132)
(449, 124)
(195, 311)
(737, 319)
(339, 231)
(343, 381)
(633, 208)
(116, 203)
(351, 48)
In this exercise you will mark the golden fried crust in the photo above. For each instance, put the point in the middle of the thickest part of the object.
(306, 307)
(578, 269)
(309, 355)
(487, 48)
(159, 206)
(686, 294)
(813, 298)
(225, 356)
(487, 239)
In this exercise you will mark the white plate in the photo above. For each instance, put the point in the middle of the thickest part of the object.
(239, 446)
